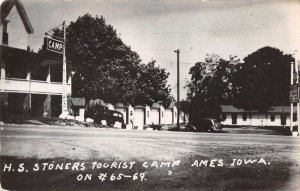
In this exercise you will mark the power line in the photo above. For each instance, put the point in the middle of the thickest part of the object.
(201, 31)
(52, 28)
(35, 35)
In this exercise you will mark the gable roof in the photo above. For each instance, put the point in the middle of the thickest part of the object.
(172, 105)
(231, 109)
(98, 102)
(139, 107)
(155, 106)
(120, 105)
(78, 102)
(6, 7)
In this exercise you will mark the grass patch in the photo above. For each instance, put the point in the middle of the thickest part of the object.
(51, 121)
(282, 130)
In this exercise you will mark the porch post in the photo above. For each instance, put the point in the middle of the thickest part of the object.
(292, 105)
(3, 75)
(49, 74)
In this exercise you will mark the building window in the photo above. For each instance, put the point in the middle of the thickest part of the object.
(148, 114)
(244, 117)
(283, 119)
(295, 117)
(162, 114)
(234, 118)
(76, 111)
(5, 34)
(223, 116)
(272, 117)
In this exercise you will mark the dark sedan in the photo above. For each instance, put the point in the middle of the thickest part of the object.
(207, 124)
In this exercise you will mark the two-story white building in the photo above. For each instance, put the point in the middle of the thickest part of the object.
(29, 83)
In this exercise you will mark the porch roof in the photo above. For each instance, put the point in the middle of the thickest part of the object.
(155, 106)
(78, 102)
(275, 109)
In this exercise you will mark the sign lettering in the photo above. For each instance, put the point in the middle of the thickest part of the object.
(54, 45)
(294, 94)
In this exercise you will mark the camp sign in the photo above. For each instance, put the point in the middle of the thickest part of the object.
(294, 94)
(54, 45)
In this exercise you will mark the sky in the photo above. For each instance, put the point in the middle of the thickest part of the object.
(155, 28)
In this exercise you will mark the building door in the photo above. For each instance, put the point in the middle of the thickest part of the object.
(155, 116)
(234, 118)
(283, 119)
(17, 103)
(250, 119)
(139, 118)
(56, 101)
(37, 105)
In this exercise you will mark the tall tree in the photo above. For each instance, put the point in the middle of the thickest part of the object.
(263, 79)
(106, 68)
(211, 85)
(152, 85)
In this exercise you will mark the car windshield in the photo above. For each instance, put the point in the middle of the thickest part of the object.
(215, 121)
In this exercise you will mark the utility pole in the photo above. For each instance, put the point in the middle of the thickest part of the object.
(297, 62)
(178, 88)
(64, 106)
(297, 82)
(292, 104)
(298, 103)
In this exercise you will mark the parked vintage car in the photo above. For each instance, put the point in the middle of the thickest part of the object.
(114, 116)
(206, 124)
(99, 113)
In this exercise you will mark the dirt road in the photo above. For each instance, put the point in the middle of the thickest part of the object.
(206, 161)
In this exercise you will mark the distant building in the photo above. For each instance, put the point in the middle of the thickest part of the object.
(29, 83)
(170, 116)
(155, 114)
(276, 116)
(78, 108)
(142, 115)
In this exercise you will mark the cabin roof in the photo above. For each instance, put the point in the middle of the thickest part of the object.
(275, 109)
(78, 102)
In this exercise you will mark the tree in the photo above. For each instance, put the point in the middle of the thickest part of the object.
(106, 68)
(211, 85)
(263, 80)
(152, 85)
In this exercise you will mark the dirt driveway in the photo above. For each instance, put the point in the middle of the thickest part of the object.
(54, 158)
